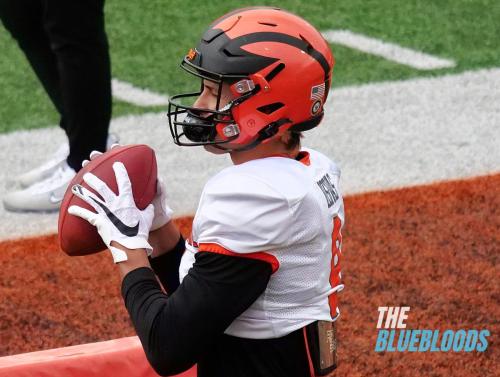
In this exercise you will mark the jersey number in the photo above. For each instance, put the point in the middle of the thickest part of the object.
(335, 264)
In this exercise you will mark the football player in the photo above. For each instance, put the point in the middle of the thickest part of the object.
(253, 291)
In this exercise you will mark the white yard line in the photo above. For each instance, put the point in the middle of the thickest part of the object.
(140, 97)
(389, 51)
(383, 135)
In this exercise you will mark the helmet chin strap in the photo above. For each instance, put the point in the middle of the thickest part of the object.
(267, 132)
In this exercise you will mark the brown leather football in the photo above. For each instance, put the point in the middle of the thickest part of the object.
(76, 235)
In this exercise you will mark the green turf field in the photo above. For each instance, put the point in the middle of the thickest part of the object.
(148, 41)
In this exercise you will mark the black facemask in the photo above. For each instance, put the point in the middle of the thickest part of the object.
(198, 129)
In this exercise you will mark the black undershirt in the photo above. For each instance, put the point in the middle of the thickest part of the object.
(187, 326)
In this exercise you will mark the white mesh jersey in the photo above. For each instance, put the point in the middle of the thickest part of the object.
(286, 212)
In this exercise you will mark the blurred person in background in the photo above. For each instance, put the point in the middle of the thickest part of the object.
(66, 45)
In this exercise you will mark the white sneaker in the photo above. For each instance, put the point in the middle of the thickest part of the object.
(43, 196)
(43, 171)
(48, 168)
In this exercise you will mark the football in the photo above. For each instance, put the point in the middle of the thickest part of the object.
(77, 236)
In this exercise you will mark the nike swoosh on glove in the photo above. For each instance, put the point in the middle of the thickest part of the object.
(117, 218)
(163, 212)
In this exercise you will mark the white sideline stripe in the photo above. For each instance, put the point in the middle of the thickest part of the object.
(383, 135)
(141, 97)
(389, 51)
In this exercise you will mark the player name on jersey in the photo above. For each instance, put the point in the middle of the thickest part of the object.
(329, 190)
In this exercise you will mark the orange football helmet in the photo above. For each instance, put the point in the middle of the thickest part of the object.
(279, 68)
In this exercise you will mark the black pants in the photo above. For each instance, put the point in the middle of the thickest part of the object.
(66, 45)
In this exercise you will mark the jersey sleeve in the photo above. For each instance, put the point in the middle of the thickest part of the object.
(173, 329)
(243, 214)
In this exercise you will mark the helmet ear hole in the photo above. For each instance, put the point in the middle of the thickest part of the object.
(271, 108)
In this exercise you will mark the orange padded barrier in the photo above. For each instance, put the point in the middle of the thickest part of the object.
(119, 357)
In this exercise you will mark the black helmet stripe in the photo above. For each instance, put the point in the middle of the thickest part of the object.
(246, 39)
(218, 53)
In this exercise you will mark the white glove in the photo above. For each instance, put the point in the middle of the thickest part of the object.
(95, 154)
(163, 213)
(118, 218)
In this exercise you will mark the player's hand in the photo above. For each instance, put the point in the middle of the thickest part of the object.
(163, 213)
(116, 218)
(95, 154)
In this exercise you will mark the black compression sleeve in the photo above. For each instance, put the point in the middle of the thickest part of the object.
(176, 330)
(166, 266)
